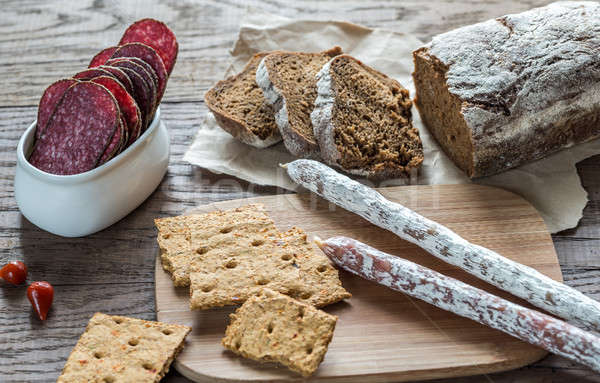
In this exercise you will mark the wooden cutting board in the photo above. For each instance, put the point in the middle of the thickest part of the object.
(381, 334)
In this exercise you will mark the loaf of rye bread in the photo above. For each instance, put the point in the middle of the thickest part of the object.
(513, 89)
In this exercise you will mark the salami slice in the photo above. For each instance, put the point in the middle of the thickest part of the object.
(144, 86)
(127, 105)
(91, 73)
(115, 145)
(125, 141)
(141, 94)
(156, 35)
(152, 79)
(103, 70)
(149, 57)
(121, 76)
(102, 57)
(51, 97)
(78, 132)
(107, 71)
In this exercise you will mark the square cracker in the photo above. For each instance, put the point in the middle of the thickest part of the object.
(174, 243)
(179, 238)
(236, 265)
(121, 350)
(274, 327)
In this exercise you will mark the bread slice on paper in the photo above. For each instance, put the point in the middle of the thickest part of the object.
(271, 327)
(288, 81)
(362, 121)
(236, 265)
(240, 108)
(181, 238)
(120, 349)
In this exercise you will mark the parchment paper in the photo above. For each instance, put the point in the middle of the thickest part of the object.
(551, 184)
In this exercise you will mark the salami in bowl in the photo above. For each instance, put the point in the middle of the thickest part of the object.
(82, 204)
(98, 148)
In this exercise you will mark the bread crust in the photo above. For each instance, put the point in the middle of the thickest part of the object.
(295, 141)
(520, 87)
(230, 123)
(239, 130)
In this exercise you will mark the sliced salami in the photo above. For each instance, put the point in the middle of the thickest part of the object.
(115, 145)
(121, 76)
(152, 79)
(91, 73)
(102, 57)
(127, 105)
(141, 94)
(78, 132)
(467, 301)
(108, 71)
(144, 87)
(149, 57)
(125, 141)
(51, 97)
(156, 35)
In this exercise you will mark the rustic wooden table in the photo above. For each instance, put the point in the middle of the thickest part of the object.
(112, 271)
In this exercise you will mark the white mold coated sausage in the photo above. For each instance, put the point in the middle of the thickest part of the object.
(452, 295)
(443, 243)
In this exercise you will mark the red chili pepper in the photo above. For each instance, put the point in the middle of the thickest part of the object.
(40, 294)
(14, 272)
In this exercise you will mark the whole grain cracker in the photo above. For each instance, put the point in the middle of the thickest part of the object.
(174, 243)
(181, 237)
(274, 327)
(122, 350)
(237, 265)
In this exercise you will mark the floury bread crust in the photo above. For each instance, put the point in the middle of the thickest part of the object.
(362, 121)
(289, 84)
(513, 89)
(240, 107)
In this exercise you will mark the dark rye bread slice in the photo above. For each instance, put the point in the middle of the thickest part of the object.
(288, 81)
(362, 121)
(240, 108)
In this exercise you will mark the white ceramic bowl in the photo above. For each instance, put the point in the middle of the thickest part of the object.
(82, 204)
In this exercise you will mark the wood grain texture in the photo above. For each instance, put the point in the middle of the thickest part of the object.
(113, 271)
(400, 338)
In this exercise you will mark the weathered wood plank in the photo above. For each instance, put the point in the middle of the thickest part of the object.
(112, 270)
(42, 41)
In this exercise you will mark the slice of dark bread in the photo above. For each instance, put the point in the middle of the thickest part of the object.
(240, 109)
(362, 121)
(288, 81)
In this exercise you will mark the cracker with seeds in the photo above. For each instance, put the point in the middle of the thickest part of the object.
(236, 265)
(180, 238)
(274, 327)
(116, 349)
